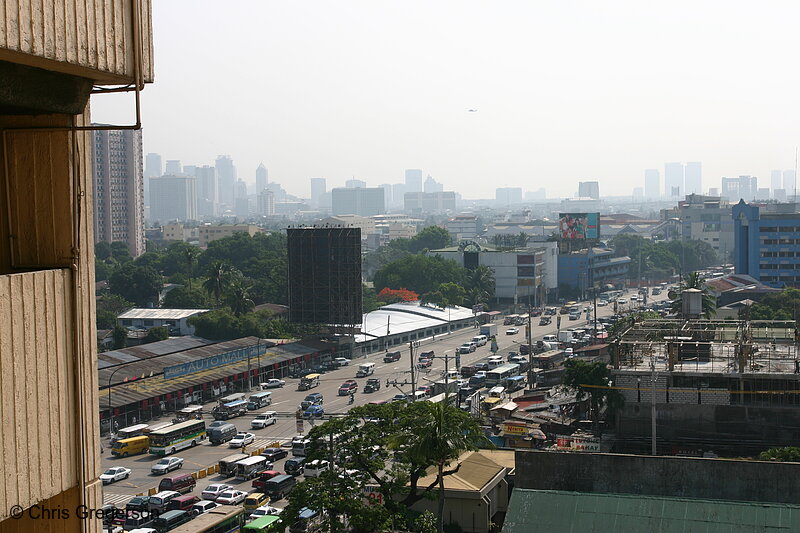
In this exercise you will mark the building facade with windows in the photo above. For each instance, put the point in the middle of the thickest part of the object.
(583, 269)
(766, 242)
(707, 219)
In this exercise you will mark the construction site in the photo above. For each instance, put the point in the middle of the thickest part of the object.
(728, 387)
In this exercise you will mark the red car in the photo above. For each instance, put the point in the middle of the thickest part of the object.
(424, 363)
(263, 477)
(347, 387)
(427, 389)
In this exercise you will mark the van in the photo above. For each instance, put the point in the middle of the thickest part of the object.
(480, 340)
(170, 520)
(255, 500)
(550, 338)
(391, 357)
(365, 369)
(183, 484)
(450, 375)
(315, 398)
(159, 501)
(279, 486)
(223, 433)
(494, 361)
(131, 446)
(183, 503)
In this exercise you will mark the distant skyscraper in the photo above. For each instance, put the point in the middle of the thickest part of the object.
(173, 198)
(152, 166)
(226, 180)
(387, 193)
(589, 189)
(240, 190)
(762, 193)
(362, 201)
(355, 184)
(789, 182)
(206, 191)
(398, 194)
(414, 180)
(638, 193)
(173, 167)
(190, 170)
(266, 201)
(652, 183)
(119, 189)
(262, 177)
(673, 180)
(431, 185)
(742, 187)
(508, 195)
(775, 181)
(318, 188)
(693, 178)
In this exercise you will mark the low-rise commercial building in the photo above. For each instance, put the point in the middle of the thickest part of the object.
(209, 233)
(585, 269)
(176, 320)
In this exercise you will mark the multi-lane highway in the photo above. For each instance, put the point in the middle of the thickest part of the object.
(286, 400)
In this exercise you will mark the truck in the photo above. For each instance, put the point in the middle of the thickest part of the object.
(489, 329)
(564, 335)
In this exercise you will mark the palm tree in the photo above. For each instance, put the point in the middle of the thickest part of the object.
(694, 281)
(482, 278)
(190, 256)
(239, 296)
(219, 274)
(444, 433)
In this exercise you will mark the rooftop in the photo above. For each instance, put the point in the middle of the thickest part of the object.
(408, 316)
(161, 314)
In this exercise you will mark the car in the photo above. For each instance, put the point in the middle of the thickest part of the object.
(512, 331)
(622, 301)
(348, 387)
(399, 398)
(274, 454)
(391, 357)
(231, 497)
(569, 352)
(265, 510)
(137, 503)
(241, 439)
(373, 384)
(467, 347)
(574, 316)
(167, 464)
(202, 507)
(602, 303)
(426, 355)
(342, 361)
(482, 366)
(116, 473)
(656, 291)
(273, 383)
(467, 371)
(427, 389)
(215, 489)
(545, 321)
(314, 411)
(424, 363)
(315, 398)
(263, 420)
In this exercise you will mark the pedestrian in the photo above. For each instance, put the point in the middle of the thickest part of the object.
(116, 426)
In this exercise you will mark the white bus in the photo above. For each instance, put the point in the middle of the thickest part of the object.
(259, 400)
(130, 431)
(177, 437)
(499, 375)
(250, 467)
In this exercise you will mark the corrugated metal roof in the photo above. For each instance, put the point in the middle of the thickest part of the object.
(161, 314)
(475, 473)
(410, 316)
(568, 512)
(145, 351)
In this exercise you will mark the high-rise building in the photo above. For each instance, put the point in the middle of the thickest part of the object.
(266, 202)
(119, 189)
(741, 187)
(693, 178)
(789, 182)
(206, 191)
(152, 165)
(423, 203)
(173, 167)
(226, 180)
(318, 188)
(431, 185)
(673, 180)
(240, 190)
(638, 193)
(173, 198)
(775, 181)
(262, 177)
(508, 195)
(361, 201)
(398, 194)
(763, 239)
(414, 180)
(589, 189)
(652, 183)
(355, 184)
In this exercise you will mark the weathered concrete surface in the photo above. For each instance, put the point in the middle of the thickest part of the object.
(33, 91)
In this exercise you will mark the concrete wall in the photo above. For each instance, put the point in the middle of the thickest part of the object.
(659, 476)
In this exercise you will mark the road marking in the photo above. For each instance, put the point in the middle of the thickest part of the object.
(116, 499)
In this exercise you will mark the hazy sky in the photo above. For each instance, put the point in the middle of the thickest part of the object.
(565, 90)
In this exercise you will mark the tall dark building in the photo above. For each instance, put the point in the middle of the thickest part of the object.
(118, 172)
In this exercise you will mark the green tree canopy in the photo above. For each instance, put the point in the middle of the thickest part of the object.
(694, 281)
(158, 333)
(419, 273)
(592, 380)
(138, 284)
(186, 298)
(783, 305)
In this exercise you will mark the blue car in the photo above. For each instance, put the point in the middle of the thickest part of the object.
(314, 411)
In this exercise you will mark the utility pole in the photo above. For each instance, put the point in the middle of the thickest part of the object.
(446, 378)
(413, 383)
(653, 407)
(530, 348)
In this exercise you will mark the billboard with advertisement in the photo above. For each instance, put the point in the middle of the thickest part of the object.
(579, 226)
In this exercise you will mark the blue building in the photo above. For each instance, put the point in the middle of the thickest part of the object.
(766, 243)
(583, 269)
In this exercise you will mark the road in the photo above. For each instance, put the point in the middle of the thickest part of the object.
(286, 400)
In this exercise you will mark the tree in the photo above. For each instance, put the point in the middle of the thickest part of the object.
(120, 337)
(430, 238)
(120, 252)
(390, 296)
(158, 333)
(138, 284)
(238, 296)
(369, 300)
(453, 294)
(186, 298)
(789, 454)
(219, 276)
(419, 273)
(782, 305)
(592, 379)
(694, 281)
(480, 285)
(102, 251)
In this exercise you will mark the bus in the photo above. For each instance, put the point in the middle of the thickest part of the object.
(498, 375)
(509, 320)
(514, 383)
(230, 410)
(221, 519)
(177, 437)
(308, 382)
(262, 524)
(130, 432)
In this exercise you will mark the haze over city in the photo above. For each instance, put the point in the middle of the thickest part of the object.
(563, 92)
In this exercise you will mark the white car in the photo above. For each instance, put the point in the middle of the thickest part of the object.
(214, 490)
(241, 439)
(166, 464)
(342, 361)
(265, 510)
(272, 383)
(512, 331)
(202, 507)
(263, 420)
(622, 301)
(602, 303)
(231, 497)
(116, 473)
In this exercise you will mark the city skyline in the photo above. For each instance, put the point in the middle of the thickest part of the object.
(562, 95)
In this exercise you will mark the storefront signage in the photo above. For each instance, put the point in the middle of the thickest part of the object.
(214, 361)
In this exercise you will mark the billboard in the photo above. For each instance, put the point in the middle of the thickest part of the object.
(324, 275)
(579, 226)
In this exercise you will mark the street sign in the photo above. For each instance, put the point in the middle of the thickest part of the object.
(299, 426)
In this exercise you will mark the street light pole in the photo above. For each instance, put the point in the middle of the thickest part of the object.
(110, 409)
